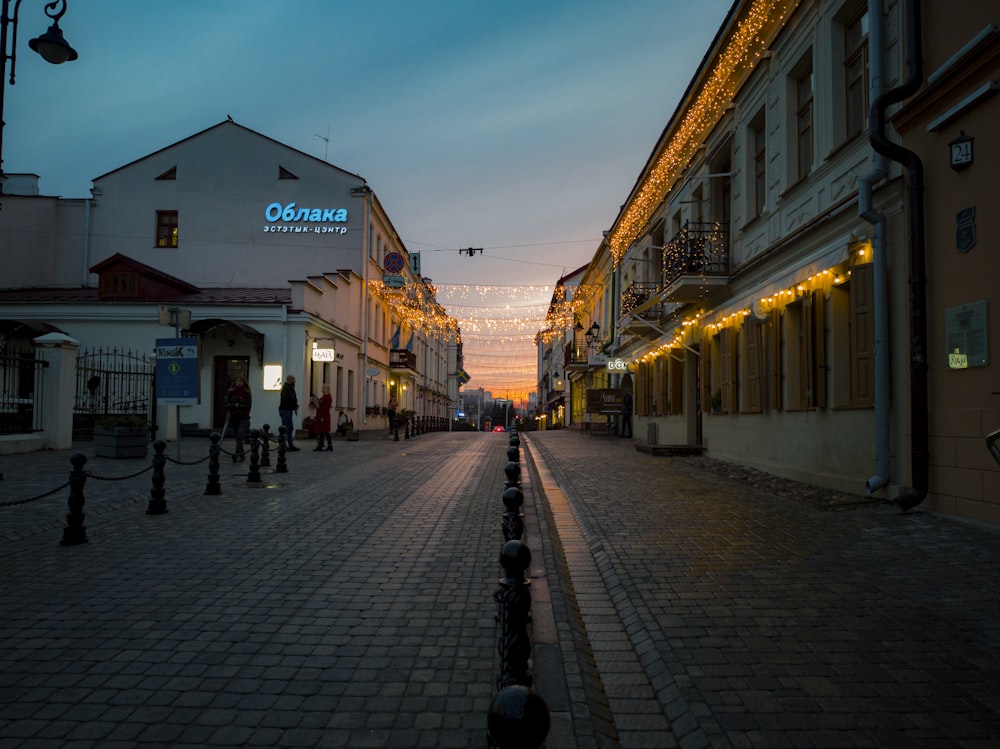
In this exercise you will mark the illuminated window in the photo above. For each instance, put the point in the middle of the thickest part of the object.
(166, 228)
(856, 72)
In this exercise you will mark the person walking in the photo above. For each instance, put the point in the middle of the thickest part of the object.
(238, 402)
(288, 405)
(322, 421)
(627, 415)
(391, 408)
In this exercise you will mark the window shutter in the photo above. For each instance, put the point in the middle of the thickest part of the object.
(705, 365)
(819, 349)
(752, 366)
(805, 354)
(862, 336)
(774, 359)
(728, 359)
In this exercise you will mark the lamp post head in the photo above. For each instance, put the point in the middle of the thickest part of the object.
(53, 46)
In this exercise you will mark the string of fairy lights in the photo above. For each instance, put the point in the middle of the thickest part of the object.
(500, 332)
(741, 54)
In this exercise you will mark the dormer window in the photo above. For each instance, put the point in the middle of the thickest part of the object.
(119, 284)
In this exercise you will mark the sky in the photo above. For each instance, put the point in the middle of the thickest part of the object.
(516, 127)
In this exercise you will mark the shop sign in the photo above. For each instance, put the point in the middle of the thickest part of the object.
(324, 354)
(177, 371)
(295, 220)
(605, 401)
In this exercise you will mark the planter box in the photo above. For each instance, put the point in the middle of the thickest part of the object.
(120, 442)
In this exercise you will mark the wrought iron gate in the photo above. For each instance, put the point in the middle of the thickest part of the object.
(20, 392)
(112, 383)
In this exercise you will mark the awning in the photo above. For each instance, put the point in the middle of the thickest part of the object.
(26, 329)
(202, 328)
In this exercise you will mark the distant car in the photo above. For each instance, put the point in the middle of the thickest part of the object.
(499, 429)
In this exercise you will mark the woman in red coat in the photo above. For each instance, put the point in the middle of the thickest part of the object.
(322, 421)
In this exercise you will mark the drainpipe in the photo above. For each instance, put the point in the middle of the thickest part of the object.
(881, 307)
(914, 170)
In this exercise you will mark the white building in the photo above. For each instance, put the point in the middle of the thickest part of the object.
(280, 263)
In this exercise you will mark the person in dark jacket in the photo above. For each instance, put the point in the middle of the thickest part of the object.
(238, 402)
(288, 405)
(323, 421)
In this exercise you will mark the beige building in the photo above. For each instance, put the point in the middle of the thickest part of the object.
(745, 279)
(949, 125)
(783, 298)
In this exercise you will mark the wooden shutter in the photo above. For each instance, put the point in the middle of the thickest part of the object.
(752, 365)
(819, 349)
(862, 336)
(774, 359)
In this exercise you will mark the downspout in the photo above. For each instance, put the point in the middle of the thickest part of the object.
(914, 170)
(881, 307)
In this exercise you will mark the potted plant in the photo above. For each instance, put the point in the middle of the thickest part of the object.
(121, 436)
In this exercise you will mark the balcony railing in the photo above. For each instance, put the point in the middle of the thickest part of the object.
(698, 249)
(637, 294)
(576, 354)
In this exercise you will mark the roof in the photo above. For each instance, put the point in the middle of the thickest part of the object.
(118, 259)
(228, 123)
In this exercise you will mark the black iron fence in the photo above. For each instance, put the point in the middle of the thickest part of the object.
(21, 392)
(112, 383)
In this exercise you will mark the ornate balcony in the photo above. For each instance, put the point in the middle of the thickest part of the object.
(696, 262)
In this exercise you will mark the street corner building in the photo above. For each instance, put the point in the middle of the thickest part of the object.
(275, 262)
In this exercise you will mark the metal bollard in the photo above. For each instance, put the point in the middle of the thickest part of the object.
(513, 472)
(75, 532)
(513, 518)
(213, 487)
(513, 454)
(265, 445)
(282, 466)
(157, 502)
(514, 441)
(518, 718)
(253, 475)
(513, 598)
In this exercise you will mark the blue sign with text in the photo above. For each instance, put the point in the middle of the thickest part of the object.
(177, 371)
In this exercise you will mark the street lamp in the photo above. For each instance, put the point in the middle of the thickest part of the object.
(593, 335)
(51, 45)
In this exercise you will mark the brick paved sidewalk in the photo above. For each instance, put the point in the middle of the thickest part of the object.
(754, 620)
(348, 603)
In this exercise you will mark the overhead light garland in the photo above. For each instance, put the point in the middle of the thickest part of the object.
(712, 322)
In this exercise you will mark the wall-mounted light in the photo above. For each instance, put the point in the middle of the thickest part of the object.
(272, 377)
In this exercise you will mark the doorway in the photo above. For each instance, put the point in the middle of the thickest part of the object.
(224, 371)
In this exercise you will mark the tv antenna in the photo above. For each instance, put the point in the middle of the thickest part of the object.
(326, 141)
